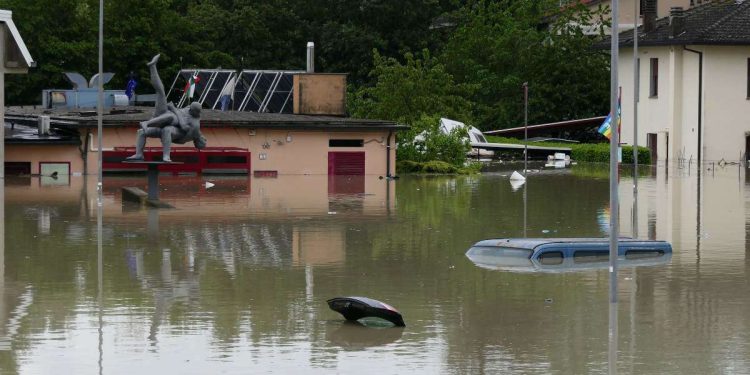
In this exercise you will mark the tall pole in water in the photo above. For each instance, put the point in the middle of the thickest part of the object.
(613, 194)
(613, 148)
(525, 128)
(636, 93)
(636, 86)
(100, 103)
(99, 185)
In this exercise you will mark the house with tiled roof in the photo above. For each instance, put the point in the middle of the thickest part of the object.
(629, 15)
(693, 83)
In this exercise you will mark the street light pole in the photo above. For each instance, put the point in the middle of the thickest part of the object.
(100, 102)
(613, 156)
(525, 128)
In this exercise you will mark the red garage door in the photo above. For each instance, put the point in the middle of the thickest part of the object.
(346, 163)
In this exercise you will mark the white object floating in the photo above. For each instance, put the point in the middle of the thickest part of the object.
(209, 185)
(516, 184)
(517, 177)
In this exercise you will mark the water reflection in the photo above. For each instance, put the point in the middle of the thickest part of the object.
(235, 279)
(355, 336)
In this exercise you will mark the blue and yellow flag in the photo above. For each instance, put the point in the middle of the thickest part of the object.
(606, 128)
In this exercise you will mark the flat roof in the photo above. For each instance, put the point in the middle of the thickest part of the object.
(22, 134)
(131, 116)
(569, 124)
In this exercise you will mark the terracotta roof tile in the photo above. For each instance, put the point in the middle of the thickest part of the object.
(722, 22)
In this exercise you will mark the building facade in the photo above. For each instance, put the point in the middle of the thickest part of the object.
(238, 142)
(693, 84)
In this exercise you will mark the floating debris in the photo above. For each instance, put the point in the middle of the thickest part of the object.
(356, 308)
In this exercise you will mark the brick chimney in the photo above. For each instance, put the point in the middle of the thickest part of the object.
(649, 15)
(676, 22)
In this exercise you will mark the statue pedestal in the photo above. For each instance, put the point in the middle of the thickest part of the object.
(153, 175)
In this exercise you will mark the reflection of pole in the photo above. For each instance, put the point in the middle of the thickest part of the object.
(613, 148)
(100, 276)
(525, 129)
(524, 210)
(613, 337)
(635, 202)
(388, 197)
(633, 292)
(152, 225)
(309, 283)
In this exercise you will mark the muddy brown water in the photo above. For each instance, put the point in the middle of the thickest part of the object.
(235, 278)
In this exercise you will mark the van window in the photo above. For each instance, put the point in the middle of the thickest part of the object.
(643, 254)
(591, 256)
(551, 258)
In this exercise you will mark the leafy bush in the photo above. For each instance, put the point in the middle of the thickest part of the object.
(425, 142)
(437, 167)
(587, 152)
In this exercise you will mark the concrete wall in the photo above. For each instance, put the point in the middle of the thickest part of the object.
(36, 154)
(319, 94)
(289, 151)
(726, 108)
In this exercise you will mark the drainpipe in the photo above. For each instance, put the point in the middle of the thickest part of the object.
(84, 150)
(700, 101)
(388, 155)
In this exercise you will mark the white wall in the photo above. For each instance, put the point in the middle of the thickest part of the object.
(653, 113)
(687, 147)
(726, 106)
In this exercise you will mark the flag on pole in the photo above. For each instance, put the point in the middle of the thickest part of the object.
(190, 85)
(130, 88)
(606, 128)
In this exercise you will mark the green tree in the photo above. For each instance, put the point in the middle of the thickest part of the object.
(425, 142)
(406, 92)
(500, 45)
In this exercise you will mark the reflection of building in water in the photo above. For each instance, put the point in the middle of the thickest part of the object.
(692, 212)
(318, 246)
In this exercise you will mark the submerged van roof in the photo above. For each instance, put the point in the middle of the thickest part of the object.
(533, 243)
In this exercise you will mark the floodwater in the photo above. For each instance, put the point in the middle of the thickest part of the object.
(235, 279)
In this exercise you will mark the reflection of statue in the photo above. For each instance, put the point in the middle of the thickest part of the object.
(178, 125)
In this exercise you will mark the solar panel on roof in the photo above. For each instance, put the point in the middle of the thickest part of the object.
(254, 90)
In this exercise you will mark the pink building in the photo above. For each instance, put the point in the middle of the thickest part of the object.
(314, 139)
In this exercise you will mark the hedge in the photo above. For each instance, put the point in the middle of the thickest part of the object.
(587, 152)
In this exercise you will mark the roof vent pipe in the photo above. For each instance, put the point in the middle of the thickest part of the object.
(649, 15)
(310, 57)
(676, 22)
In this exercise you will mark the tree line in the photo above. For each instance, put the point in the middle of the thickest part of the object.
(407, 60)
